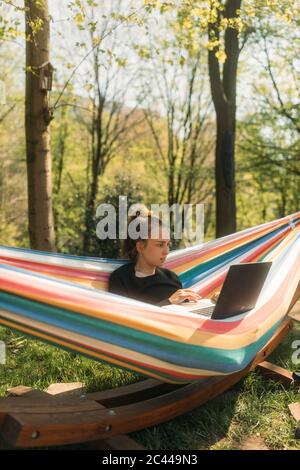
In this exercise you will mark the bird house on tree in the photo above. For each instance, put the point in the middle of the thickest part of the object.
(46, 76)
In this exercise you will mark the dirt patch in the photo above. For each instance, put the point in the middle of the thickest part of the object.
(254, 443)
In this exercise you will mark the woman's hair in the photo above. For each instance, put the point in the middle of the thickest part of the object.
(142, 216)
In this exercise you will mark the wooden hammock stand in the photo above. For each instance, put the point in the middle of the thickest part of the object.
(102, 420)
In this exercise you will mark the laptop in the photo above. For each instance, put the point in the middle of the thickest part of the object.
(239, 293)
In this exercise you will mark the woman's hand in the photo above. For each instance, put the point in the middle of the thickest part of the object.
(182, 294)
(215, 297)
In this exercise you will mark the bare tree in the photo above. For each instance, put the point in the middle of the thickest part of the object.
(109, 121)
(178, 112)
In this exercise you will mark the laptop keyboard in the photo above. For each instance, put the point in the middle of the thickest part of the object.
(208, 311)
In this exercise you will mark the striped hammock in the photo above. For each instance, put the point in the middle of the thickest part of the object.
(63, 300)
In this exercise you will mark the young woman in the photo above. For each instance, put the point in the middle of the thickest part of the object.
(143, 278)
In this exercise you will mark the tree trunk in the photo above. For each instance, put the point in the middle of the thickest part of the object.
(37, 120)
(223, 89)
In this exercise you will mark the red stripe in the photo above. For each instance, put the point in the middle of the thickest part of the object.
(59, 270)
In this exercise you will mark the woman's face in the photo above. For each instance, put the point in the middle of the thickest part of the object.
(154, 251)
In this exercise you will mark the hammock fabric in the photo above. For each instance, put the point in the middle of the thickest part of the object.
(62, 299)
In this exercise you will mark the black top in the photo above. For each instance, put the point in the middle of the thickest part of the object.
(155, 289)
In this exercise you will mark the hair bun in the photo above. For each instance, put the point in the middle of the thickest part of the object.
(141, 210)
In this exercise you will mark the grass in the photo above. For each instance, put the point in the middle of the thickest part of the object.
(255, 406)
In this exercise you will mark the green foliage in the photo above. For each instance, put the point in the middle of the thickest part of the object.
(9, 26)
(69, 184)
(265, 160)
(13, 204)
(196, 18)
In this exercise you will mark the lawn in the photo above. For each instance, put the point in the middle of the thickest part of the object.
(254, 408)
